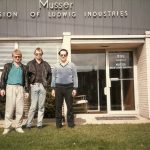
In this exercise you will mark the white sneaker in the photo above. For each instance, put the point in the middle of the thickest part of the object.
(6, 131)
(19, 130)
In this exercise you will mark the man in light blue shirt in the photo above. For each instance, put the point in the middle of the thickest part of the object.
(64, 85)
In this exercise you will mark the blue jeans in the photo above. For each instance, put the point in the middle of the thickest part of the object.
(38, 94)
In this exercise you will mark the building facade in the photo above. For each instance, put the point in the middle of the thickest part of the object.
(108, 40)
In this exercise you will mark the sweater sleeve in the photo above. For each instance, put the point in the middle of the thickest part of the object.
(75, 76)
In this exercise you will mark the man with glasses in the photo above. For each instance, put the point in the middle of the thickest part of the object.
(64, 85)
(13, 79)
(39, 75)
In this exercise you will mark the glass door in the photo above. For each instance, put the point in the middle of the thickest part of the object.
(92, 79)
(121, 81)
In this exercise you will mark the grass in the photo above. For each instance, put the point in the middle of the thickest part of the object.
(82, 137)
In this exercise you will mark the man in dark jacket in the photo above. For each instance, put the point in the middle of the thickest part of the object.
(13, 81)
(39, 75)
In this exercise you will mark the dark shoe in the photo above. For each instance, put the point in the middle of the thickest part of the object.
(23, 126)
(39, 127)
(28, 127)
(59, 126)
(71, 126)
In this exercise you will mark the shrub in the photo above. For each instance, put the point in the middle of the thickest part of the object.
(49, 105)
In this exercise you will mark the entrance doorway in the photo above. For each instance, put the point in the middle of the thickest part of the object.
(121, 81)
(106, 79)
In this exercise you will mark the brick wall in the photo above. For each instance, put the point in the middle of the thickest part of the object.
(143, 73)
(148, 68)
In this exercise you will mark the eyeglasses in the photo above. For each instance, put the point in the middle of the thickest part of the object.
(63, 55)
(36, 54)
(17, 56)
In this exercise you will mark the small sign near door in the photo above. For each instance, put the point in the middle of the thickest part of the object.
(120, 61)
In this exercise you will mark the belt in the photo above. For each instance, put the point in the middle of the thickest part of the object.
(36, 83)
(64, 85)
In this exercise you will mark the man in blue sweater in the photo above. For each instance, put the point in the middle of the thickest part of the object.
(64, 85)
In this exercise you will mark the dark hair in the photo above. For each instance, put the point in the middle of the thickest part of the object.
(63, 50)
(39, 50)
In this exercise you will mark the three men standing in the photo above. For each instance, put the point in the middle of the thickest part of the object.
(37, 75)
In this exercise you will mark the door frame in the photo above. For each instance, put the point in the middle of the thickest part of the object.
(108, 85)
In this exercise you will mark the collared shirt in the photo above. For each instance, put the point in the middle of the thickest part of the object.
(39, 68)
(64, 74)
(15, 75)
(64, 64)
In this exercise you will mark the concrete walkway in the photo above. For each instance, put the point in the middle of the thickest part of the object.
(83, 119)
(110, 119)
